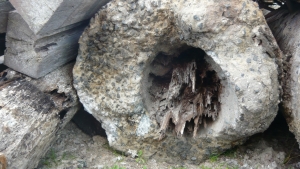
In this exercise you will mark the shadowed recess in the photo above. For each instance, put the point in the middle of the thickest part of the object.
(88, 124)
(2, 43)
(186, 90)
(2, 49)
(280, 139)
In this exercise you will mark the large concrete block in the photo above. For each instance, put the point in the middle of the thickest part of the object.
(285, 27)
(37, 55)
(43, 16)
(176, 80)
(5, 7)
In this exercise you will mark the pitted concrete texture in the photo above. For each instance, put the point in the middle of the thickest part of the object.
(44, 16)
(284, 26)
(129, 42)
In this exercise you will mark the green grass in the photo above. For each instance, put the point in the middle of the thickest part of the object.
(204, 167)
(140, 159)
(230, 153)
(214, 157)
(115, 152)
(115, 167)
(218, 167)
(179, 168)
(52, 159)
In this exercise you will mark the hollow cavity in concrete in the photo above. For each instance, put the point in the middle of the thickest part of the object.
(185, 92)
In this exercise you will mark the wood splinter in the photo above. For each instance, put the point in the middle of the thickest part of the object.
(193, 94)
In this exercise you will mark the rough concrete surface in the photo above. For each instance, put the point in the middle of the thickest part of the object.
(127, 66)
(36, 55)
(284, 26)
(44, 16)
(31, 113)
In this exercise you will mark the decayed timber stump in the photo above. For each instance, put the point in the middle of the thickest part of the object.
(178, 80)
(31, 114)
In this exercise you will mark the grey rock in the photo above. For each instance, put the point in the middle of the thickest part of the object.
(138, 116)
(32, 112)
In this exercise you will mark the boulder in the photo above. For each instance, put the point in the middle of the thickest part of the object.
(44, 16)
(284, 26)
(37, 55)
(5, 7)
(178, 80)
(31, 114)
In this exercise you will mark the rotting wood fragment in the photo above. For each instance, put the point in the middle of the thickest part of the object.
(192, 94)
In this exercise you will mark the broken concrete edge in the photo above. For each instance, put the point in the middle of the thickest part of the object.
(36, 55)
(45, 16)
(32, 113)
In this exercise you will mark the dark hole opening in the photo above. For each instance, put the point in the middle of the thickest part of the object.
(2, 43)
(2, 49)
(55, 92)
(3, 76)
(280, 139)
(62, 114)
(3, 67)
(279, 130)
(88, 123)
(186, 89)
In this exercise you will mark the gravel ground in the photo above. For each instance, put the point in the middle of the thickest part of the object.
(74, 149)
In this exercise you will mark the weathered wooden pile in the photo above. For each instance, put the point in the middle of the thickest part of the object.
(129, 75)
